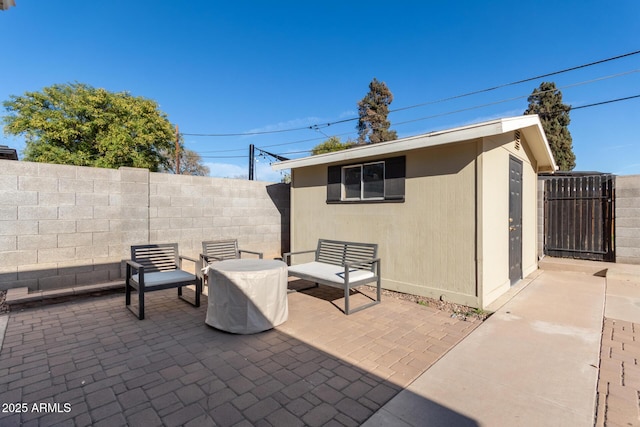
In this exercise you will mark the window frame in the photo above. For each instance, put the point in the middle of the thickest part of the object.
(362, 176)
(393, 182)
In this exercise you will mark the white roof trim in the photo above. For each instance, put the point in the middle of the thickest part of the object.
(530, 125)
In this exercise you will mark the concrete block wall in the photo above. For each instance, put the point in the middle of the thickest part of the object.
(191, 209)
(58, 225)
(627, 205)
(66, 226)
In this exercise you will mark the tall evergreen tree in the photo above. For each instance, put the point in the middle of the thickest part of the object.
(373, 110)
(546, 102)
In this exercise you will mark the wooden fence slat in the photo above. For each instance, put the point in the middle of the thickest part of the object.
(579, 217)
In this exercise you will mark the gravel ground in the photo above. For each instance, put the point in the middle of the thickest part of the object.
(4, 308)
(456, 310)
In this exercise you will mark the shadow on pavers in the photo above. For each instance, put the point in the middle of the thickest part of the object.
(172, 368)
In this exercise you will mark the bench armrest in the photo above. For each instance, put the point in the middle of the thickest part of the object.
(188, 258)
(287, 255)
(348, 265)
(207, 258)
(250, 252)
(181, 257)
(135, 266)
(362, 262)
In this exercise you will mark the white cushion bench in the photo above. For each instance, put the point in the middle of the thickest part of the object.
(340, 264)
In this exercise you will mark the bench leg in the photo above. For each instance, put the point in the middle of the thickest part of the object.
(195, 301)
(140, 303)
(127, 300)
(346, 299)
(347, 308)
(127, 293)
(198, 290)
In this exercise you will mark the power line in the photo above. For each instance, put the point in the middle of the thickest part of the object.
(514, 98)
(520, 81)
(595, 104)
(317, 126)
(475, 107)
(604, 102)
(224, 157)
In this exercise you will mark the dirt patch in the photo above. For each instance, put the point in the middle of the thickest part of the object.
(4, 308)
(458, 311)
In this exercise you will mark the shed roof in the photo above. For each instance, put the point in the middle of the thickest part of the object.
(529, 125)
(8, 153)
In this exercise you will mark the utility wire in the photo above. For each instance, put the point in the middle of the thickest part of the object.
(595, 104)
(519, 81)
(316, 126)
(444, 113)
(475, 107)
(604, 102)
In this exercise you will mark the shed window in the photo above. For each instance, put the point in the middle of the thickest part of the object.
(362, 182)
(378, 181)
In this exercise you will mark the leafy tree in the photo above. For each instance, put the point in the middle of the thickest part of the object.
(331, 144)
(286, 178)
(546, 102)
(80, 125)
(373, 110)
(190, 164)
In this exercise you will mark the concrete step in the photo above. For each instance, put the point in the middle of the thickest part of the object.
(593, 268)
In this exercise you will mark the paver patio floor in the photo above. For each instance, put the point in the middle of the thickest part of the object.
(94, 363)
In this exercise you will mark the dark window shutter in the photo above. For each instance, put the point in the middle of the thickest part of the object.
(334, 184)
(395, 172)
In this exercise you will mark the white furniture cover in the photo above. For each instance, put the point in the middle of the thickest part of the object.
(247, 295)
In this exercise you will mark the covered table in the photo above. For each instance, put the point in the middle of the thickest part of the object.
(247, 295)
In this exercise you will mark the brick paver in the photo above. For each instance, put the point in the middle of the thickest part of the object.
(91, 362)
(618, 393)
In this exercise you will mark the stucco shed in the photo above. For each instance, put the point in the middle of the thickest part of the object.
(453, 211)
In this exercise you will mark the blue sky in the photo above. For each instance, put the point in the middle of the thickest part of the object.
(254, 66)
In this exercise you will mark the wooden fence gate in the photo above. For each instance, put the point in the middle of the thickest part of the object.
(579, 217)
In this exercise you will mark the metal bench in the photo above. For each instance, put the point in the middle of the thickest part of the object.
(157, 267)
(340, 264)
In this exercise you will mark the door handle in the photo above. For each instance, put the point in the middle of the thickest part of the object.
(513, 228)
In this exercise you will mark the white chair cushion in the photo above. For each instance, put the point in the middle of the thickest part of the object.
(329, 272)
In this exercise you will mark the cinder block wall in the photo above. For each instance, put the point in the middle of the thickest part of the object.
(190, 209)
(627, 219)
(65, 226)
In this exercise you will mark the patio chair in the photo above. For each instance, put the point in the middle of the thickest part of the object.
(157, 267)
(219, 250)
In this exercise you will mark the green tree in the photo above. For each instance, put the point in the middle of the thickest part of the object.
(546, 102)
(80, 125)
(373, 110)
(331, 144)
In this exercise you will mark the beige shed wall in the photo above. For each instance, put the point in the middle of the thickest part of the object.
(494, 237)
(427, 243)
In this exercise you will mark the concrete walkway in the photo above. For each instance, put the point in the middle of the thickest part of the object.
(535, 361)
